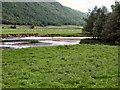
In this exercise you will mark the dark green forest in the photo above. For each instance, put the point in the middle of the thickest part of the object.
(40, 13)
(103, 24)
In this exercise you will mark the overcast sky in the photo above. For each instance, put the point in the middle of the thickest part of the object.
(84, 5)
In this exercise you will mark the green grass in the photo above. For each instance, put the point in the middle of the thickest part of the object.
(56, 30)
(76, 66)
(28, 26)
(40, 31)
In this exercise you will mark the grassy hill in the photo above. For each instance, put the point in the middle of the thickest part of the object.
(40, 13)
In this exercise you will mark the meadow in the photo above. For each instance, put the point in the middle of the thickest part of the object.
(73, 66)
(62, 30)
(67, 66)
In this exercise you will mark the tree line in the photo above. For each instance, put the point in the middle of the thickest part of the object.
(103, 24)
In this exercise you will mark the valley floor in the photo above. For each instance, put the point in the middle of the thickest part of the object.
(74, 66)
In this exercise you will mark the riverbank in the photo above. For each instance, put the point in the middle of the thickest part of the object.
(42, 35)
(27, 35)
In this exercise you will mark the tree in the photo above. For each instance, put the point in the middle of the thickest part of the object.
(111, 32)
(99, 22)
(92, 16)
(104, 25)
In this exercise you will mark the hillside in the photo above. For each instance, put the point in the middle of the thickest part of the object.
(40, 13)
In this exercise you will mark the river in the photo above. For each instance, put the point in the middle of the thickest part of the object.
(22, 42)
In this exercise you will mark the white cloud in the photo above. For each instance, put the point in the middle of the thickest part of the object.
(84, 5)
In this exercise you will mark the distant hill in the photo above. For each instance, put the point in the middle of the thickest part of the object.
(40, 13)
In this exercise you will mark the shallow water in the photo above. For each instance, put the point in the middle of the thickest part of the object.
(44, 38)
(41, 43)
(14, 43)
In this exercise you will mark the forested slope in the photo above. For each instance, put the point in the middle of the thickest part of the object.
(40, 13)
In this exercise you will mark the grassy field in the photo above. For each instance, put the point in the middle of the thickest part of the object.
(57, 30)
(28, 26)
(76, 66)
(40, 31)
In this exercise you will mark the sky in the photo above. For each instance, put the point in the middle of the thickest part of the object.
(84, 5)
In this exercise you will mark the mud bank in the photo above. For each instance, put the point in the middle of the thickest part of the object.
(27, 35)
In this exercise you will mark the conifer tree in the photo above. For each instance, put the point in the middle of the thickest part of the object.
(99, 22)
(111, 32)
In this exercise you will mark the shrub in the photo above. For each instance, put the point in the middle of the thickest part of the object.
(91, 41)
(3, 27)
(13, 27)
(32, 27)
(97, 41)
(33, 41)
